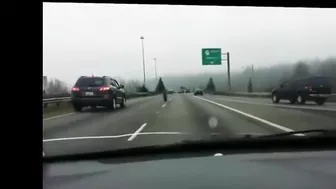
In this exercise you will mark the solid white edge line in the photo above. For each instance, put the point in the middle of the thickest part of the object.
(115, 136)
(251, 116)
(58, 116)
(163, 105)
(278, 105)
(137, 132)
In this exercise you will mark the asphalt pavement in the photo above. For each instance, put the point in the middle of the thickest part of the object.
(151, 121)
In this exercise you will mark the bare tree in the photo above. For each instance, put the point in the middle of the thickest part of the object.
(121, 81)
(131, 86)
(301, 69)
(56, 86)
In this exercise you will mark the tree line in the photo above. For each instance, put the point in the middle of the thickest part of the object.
(262, 79)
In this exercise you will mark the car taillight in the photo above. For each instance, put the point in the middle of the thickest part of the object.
(75, 89)
(104, 88)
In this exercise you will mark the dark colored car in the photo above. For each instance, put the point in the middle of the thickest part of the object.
(97, 91)
(170, 92)
(316, 89)
(187, 91)
(198, 92)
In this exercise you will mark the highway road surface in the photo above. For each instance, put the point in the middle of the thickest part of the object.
(150, 121)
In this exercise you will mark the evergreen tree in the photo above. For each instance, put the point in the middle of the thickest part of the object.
(210, 87)
(160, 87)
(142, 89)
(249, 86)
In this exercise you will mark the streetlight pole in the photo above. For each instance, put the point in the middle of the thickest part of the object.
(155, 69)
(143, 59)
(228, 68)
(252, 70)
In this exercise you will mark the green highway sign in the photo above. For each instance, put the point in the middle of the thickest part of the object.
(212, 56)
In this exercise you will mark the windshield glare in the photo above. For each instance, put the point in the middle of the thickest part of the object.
(119, 76)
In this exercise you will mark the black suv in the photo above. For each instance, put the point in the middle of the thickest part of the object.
(97, 91)
(198, 92)
(317, 89)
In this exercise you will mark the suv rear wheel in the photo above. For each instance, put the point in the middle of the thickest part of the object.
(300, 99)
(112, 105)
(275, 98)
(123, 103)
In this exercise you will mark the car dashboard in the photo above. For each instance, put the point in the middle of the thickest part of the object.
(285, 170)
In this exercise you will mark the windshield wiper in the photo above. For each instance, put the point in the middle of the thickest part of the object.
(327, 132)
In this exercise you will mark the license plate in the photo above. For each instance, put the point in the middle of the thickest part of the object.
(88, 93)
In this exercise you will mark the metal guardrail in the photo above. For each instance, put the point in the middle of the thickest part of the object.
(54, 100)
(58, 101)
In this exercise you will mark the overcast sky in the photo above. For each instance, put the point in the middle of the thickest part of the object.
(104, 39)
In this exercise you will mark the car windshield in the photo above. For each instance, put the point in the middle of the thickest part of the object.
(319, 81)
(118, 76)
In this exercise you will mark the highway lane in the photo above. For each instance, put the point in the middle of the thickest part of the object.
(193, 118)
(101, 121)
(188, 114)
(283, 103)
(293, 116)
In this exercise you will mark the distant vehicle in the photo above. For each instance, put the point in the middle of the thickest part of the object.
(170, 91)
(316, 89)
(198, 92)
(181, 91)
(97, 91)
(187, 91)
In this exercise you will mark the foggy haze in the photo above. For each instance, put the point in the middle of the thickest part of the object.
(104, 39)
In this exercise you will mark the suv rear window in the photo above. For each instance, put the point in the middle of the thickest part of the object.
(90, 82)
(319, 81)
